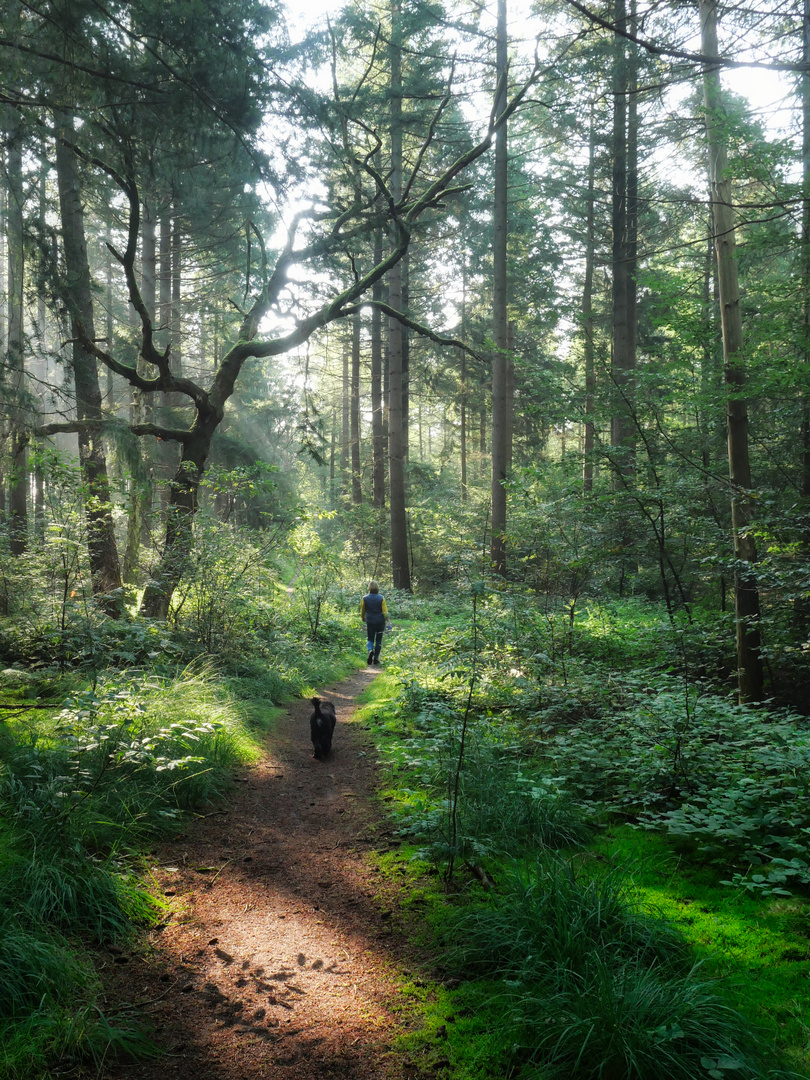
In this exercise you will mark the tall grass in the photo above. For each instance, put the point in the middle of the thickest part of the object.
(591, 987)
(79, 795)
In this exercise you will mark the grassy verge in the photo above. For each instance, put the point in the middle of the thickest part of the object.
(565, 955)
(88, 778)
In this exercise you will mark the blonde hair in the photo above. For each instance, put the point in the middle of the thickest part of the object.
(373, 586)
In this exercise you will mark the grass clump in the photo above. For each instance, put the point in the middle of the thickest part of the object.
(590, 985)
(81, 792)
(500, 806)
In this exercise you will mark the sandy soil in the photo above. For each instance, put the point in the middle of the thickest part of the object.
(280, 956)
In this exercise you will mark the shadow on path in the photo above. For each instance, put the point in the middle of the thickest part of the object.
(278, 958)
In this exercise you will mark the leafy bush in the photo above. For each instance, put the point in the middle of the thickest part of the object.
(727, 781)
(501, 808)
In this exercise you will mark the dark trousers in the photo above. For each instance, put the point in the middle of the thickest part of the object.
(374, 636)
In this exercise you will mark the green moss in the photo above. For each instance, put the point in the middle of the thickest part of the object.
(760, 949)
(462, 1035)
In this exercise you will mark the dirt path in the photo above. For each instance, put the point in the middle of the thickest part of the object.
(279, 956)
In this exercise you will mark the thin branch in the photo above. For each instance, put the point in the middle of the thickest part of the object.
(711, 63)
(419, 328)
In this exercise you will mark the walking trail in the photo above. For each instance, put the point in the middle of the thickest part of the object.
(279, 958)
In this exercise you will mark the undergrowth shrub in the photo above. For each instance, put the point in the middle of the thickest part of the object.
(728, 782)
(502, 805)
(578, 978)
(80, 793)
(119, 764)
(48, 1010)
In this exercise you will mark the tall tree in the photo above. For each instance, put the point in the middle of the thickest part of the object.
(357, 487)
(746, 591)
(102, 550)
(501, 450)
(18, 486)
(624, 197)
(377, 435)
(588, 345)
(400, 563)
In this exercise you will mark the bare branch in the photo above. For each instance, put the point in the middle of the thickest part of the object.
(425, 331)
(710, 62)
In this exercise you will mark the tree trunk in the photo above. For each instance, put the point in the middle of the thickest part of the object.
(805, 250)
(141, 412)
(179, 521)
(164, 281)
(39, 502)
(357, 488)
(462, 403)
(3, 283)
(588, 349)
(377, 439)
(102, 551)
(400, 568)
(510, 394)
(345, 413)
(176, 325)
(746, 592)
(406, 357)
(500, 362)
(623, 216)
(482, 432)
(18, 487)
(332, 444)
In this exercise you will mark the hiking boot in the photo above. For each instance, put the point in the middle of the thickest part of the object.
(370, 660)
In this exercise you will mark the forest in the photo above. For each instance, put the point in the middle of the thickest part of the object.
(507, 307)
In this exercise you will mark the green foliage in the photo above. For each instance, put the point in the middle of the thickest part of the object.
(227, 574)
(80, 793)
(559, 914)
(503, 807)
(34, 968)
(727, 781)
(575, 971)
(119, 764)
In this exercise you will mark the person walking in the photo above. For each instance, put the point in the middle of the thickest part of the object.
(374, 614)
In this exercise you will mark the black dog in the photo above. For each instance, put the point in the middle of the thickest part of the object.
(322, 724)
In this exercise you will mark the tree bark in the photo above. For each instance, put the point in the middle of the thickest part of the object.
(400, 567)
(463, 390)
(163, 335)
(406, 357)
(101, 546)
(357, 488)
(510, 394)
(345, 414)
(141, 412)
(500, 361)
(377, 435)
(176, 329)
(746, 592)
(805, 254)
(18, 486)
(623, 216)
(588, 349)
